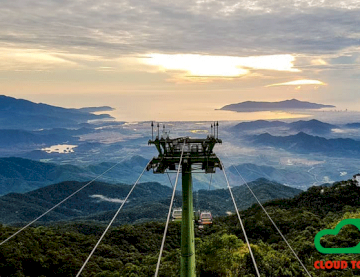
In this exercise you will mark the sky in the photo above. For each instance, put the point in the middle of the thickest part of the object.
(162, 58)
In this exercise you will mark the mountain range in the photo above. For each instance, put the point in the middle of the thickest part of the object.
(294, 176)
(353, 125)
(26, 115)
(293, 104)
(304, 143)
(60, 248)
(149, 201)
(309, 126)
(23, 175)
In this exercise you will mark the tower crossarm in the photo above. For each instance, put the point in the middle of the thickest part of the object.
(196, 151)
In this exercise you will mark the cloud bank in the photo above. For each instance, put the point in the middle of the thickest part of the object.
(242, 28)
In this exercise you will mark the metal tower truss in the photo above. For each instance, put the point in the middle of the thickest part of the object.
(195, 156)
(197, 152)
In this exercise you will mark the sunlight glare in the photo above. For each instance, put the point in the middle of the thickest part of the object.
(219, 66)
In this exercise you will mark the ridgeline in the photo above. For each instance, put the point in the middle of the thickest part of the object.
(131, 250)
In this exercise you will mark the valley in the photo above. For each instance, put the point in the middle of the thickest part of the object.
(299, 169)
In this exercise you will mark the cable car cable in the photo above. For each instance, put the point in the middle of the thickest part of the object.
(296, 256)
(169, 213)
(241, 223)
(111, 222)
(62, 201)
(211, 175)
(167, 173)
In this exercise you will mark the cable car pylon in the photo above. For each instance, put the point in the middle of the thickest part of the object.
(198, 156)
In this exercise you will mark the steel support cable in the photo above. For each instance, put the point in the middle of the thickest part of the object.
(111, 222)
(62, 201)
(241, 223)
(292, 250)
(167, 173)
(168, 216)
(172, 186)
(208, 202)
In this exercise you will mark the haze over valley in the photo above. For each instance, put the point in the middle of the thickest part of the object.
(296, 152)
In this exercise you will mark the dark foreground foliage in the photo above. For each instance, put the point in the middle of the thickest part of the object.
(131, 250)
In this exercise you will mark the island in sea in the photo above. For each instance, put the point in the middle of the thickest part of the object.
(293, 104)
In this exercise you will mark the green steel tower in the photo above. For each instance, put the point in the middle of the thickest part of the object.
(198, 156)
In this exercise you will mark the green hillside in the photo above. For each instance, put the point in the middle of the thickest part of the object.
(131, 250)
(149, 201)
(22, 175)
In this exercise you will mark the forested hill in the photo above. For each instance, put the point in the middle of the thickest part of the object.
(132, 250)
(149, 201)
(95, 198)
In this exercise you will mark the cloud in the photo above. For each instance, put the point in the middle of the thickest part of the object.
(241, 28)
(318, 62)
(108, 36)
(31, 59)
(107, 199)
(334, 232)
(298, 83)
